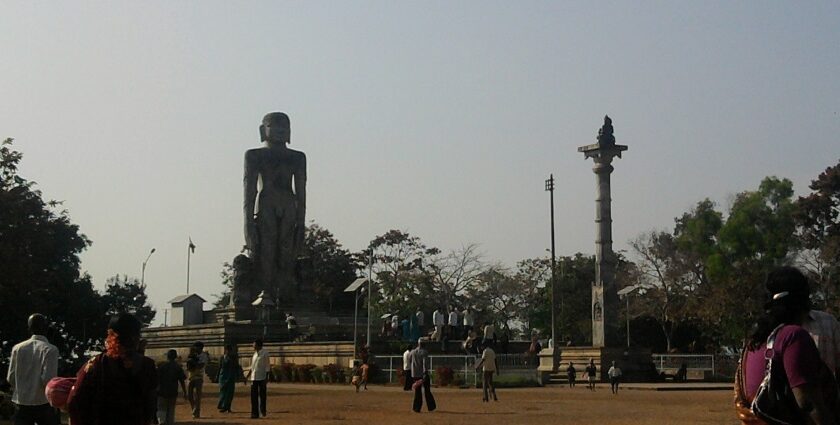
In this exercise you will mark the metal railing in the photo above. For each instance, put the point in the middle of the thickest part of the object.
(463, 365)
(700, 362)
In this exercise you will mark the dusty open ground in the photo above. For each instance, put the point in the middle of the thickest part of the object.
(328, 404)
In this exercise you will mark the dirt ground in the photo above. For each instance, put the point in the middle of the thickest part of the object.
(331, 404)
(328, 404)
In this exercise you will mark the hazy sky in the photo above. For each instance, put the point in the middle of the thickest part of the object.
(439, 118)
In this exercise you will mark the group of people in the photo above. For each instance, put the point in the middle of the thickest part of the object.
(121, 386)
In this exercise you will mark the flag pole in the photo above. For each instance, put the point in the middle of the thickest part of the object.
(188, 268)
(190, 250)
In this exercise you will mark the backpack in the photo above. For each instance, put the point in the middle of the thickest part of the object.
(774, 402)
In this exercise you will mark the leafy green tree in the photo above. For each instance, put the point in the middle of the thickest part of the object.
(127, 295)
(574, 320)
(39, 259)
(758, 234)
(330, 267)
(818, 222)
(398, 267)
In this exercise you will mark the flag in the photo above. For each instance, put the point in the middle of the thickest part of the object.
(192, 246)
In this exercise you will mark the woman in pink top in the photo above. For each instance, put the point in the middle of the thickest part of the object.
(793, 350)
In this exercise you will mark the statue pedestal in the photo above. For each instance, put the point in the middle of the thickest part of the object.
(635, 363)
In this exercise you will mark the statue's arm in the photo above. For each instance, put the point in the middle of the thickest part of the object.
(250, 185)
(300, 195)
(300, 188)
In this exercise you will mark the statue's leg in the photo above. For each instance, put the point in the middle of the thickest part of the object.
(287, 256)
(267, 224)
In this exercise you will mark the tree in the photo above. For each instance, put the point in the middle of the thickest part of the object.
(665, 285)
(330, 267)
(128, 295)
(39, 259)
(818, 228)
(533, 277)
(758, 234)
(398, 260)
(450, 276)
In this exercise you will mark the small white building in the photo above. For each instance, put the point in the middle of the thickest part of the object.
(187, 310)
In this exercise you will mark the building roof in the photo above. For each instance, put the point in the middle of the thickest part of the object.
(181, 298)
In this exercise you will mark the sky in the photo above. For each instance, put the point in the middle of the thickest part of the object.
(442, 119)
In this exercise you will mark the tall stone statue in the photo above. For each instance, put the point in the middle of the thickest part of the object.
(275, 215)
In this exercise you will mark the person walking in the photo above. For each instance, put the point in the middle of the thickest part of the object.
(591, 374)
(488, 365)
(571, 373)
(260, 364)
(33, 363)
(615, 377)
(229, 372)
(195, 376)
(117, 386)
(170, 374)
(420, 378)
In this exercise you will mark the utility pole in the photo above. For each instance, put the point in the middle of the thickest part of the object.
(549, 187)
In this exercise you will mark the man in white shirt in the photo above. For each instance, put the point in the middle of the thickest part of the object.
(407, 368)
(615, 377)
(489, 365)
(453, 323)
(33, 363)
(469, 322)
(438, 321)
(260, 365)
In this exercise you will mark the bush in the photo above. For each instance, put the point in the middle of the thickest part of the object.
(304, 372)
(334, 373)
(443, 376)
(317, 375)
(285, 372)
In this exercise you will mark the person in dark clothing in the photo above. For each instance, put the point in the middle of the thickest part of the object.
(118, 386)
(170, 374)
(229, 372)
(571, 373)
(591, 374)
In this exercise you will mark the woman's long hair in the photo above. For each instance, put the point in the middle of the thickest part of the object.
(787, 298)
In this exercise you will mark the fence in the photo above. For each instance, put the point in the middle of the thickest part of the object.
(463, 365)
(693, 362)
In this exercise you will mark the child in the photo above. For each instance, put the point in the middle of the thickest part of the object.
(356, 381)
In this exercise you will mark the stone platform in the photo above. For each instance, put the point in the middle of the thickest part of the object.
(635, 363)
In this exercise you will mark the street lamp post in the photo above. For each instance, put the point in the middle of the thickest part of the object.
(625, 293)
(370, 292)
(358, 290)
(143, 269)
(264, 302)
(549, 187)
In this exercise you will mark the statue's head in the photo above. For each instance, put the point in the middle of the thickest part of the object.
(276, 129)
